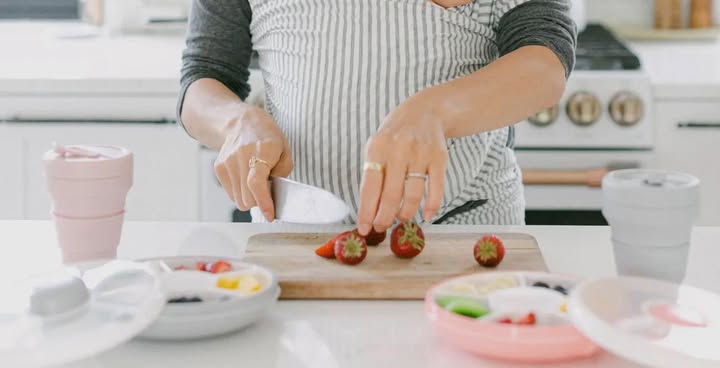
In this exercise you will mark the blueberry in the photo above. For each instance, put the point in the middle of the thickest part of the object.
(560, 289)
(541, 284)
(185, 299)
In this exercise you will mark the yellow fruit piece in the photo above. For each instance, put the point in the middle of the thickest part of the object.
(228, 282)
(243, 284)
(248, 284)
(563, 307)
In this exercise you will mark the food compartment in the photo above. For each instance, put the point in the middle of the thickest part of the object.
(563, 285)
(479, 286)
(501, 315)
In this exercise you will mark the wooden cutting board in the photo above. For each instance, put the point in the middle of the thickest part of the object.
(304, 275)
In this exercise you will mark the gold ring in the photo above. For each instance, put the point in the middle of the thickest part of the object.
(373, 166)
(254, 161)
(417, 175)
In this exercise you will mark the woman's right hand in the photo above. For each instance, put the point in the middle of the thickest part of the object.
(253, 134)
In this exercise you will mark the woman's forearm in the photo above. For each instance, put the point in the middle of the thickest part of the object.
(504, 92)
(210, 110)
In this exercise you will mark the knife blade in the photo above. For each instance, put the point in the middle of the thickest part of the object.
(300, 203)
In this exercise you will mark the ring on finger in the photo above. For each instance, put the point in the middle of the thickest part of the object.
(416, 175)
(373, 166)
(254, 160)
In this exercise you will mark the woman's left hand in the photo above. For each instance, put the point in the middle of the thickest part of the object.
(410, 150)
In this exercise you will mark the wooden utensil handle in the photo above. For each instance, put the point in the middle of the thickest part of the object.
(591, 178)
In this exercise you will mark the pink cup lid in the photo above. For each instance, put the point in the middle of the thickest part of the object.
(88, 161)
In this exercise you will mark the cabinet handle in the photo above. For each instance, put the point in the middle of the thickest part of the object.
(698, 124)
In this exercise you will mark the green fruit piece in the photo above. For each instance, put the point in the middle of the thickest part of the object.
(467, 307)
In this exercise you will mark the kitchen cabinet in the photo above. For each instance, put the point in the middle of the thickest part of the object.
(165, 184)
(688, 140)
(11, 182)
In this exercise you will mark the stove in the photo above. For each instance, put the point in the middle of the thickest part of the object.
(607, 101)
(602, 122)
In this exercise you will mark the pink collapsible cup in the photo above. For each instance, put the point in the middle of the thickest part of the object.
(88, 185)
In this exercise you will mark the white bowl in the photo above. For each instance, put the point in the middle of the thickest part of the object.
(221, 311)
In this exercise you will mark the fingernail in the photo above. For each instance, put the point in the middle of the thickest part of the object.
(363, 229)
(268, 216)
(428, 215)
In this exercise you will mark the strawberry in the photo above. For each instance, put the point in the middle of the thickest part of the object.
(528, 319)
(200, 266)
(374, 237)
(220, 266)
(505, 320)
(327, 250)
(350, 248)
(180, 268)
(489, 251)
(407, 240)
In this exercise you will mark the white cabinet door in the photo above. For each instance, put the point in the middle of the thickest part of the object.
(165, 184)
(11, 177)
(688, 140)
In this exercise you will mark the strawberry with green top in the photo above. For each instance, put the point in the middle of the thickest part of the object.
(489, 251)
(350, 248)
(407, 240)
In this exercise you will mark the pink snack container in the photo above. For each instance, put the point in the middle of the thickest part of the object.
(88, 185)
(510, 342)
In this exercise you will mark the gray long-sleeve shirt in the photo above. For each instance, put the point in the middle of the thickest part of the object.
(334, 68)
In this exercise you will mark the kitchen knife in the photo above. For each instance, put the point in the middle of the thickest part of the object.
(304, 204)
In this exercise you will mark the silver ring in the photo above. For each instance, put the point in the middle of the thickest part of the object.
(416, 175)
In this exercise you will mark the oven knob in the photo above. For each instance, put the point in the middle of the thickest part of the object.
(545, 117)
(626, 109)
(583, 108)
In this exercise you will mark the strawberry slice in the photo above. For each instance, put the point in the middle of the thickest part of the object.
(327, 250)
(528, 319)
(220, 266)
(200, 266)
(505, 320)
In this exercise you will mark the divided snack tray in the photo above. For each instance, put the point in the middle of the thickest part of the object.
(510, 296)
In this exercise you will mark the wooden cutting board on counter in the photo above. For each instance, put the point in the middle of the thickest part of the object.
(304, 275)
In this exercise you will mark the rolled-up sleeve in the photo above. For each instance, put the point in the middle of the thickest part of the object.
(218, 46)
(546, 23)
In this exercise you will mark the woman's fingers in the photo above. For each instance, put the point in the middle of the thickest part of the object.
(392, 193)
(414, 191)
(265, 159)
(436, 184)
(370, 187)
(227, 183)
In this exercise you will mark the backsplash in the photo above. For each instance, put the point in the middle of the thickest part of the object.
(621, 12)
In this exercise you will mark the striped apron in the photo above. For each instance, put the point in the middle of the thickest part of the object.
(333, 69)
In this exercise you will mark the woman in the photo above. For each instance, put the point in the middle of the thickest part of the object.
(387, 103)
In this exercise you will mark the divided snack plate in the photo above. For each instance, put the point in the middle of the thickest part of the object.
(80, 310)
(647, 321)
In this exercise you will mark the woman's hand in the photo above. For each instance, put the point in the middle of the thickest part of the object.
(253, 136)
(410, 147)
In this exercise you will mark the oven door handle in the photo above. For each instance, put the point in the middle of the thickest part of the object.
(590, 178)
(699, 124)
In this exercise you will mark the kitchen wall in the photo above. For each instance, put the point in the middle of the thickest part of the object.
(625, 12)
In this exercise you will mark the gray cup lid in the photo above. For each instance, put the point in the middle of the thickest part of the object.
(651, 188)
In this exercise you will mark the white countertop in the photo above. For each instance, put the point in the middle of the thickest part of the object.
(326, 334)
(39, 57)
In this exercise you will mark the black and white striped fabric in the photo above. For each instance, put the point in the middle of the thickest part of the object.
(333, 70)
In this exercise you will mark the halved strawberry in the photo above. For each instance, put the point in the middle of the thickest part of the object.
(350, 248)
(327, 250)
(528, 319)
(200, 266)
(220, 266)
(407, 240)
(489, 251)
(374, 237)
